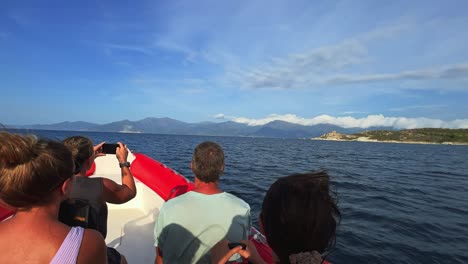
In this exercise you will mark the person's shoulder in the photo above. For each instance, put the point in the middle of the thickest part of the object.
(93, 246)
(103, 180)
(91, 236)
(182, 197)
(236, 200)
(179, 200)
(90, 180)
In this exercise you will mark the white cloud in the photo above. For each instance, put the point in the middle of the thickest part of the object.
(219, 116)
(389, 31)
(415, 107)
(459, 71)
(298, 70)
(182, 85)
(348, 121)
(341, 64)
(312, 69)
(125, 47)
(353, 112)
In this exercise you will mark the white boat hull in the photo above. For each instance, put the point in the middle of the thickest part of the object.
(130, 225)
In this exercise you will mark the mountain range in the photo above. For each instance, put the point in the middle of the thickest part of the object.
(275, 129)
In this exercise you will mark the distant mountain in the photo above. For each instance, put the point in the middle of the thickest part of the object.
(119, 126)
(228, 128)
(76, 126)
(148, 125)
(166, 125)
(161, 125)
(287, 130)
(282, 129)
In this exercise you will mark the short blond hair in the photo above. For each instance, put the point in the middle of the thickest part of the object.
(208, 161)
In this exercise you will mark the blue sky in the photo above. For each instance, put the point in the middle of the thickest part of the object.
(352, 63)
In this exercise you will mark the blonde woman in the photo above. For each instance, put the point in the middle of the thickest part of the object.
(35, 177)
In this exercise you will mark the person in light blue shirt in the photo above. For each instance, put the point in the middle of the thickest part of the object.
(189, 225)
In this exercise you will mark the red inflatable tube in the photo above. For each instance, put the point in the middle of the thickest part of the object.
(91, 170)
(163, 180)
(5, 213)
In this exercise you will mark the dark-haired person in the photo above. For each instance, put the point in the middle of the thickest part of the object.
(299, 219)
(189, 225)
(35, 177)
(99, 190)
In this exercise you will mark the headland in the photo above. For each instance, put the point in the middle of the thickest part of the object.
(410, 136)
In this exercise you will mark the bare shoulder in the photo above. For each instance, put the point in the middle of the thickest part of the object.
(93, 248)
(108, 182)
(110, 188)
(104, 180)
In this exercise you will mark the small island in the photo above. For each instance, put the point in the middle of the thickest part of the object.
(415, 136)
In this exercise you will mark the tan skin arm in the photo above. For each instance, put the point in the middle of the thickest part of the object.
(120, 193)
(93, 248)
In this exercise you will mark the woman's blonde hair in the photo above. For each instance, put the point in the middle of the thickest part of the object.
(31, 169)
(81, 149)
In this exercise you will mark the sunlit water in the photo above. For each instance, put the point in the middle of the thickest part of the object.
(400, 203)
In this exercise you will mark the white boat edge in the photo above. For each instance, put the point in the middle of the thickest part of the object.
(130, 225)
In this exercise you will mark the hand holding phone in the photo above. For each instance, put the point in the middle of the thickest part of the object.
(236, 244)
(109, 148)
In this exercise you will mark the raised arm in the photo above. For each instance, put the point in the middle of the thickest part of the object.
(120, 193)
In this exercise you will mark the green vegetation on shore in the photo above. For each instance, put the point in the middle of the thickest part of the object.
(427, 135)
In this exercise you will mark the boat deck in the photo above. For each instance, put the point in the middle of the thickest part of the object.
(130, 225)
(133, 236)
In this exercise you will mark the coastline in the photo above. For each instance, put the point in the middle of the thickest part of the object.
(366, 139)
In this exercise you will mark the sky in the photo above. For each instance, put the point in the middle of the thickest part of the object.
(351, 63)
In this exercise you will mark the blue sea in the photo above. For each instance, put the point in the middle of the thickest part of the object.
(400, 203)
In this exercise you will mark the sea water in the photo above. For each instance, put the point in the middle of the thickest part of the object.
(400, 203)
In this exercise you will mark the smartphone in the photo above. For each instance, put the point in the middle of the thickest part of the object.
(236, 244)
(109, 148)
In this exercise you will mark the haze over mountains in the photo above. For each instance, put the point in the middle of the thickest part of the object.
(276, 129)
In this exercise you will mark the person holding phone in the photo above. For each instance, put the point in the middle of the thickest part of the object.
(97, 190)
(299, 218)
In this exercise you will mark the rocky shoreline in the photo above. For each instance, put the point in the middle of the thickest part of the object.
(335, 136)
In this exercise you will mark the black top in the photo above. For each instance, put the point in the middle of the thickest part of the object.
(91, 189)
